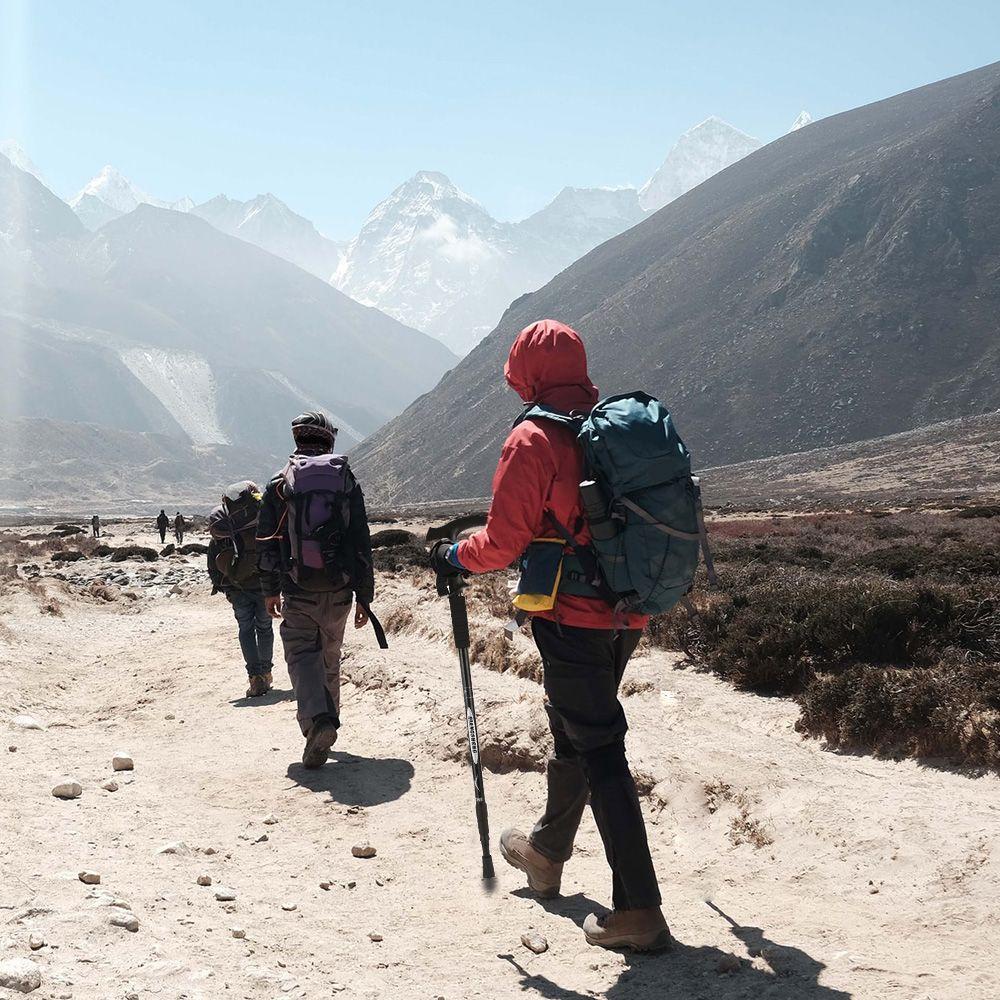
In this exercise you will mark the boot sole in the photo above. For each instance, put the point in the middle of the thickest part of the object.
(662, 941)
(316, 750)
(543, 892)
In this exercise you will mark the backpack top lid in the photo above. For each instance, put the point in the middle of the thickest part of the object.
(308, 473)
(630, 440)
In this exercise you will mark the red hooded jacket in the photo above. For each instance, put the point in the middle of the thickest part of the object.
(541, 467)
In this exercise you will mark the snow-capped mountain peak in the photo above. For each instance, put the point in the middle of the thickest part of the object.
(267, 222)
(704, 150)
(111, 194)
(802, 121)
(14, 152)
(113, 188)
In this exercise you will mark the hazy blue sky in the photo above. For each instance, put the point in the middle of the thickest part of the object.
(331, 105)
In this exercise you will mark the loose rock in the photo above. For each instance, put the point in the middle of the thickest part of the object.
(125, 919)
(374, 937)
(363, 851)
(289, 907)
(20, 974)
(224, 895)
(36, 941)
(110, 786)
(26, 722)
(204, 880)
(238, 933)
(89, 878)
(68, 790)
(534, 941)
(270, 819)
(122, 762)
(175, 847)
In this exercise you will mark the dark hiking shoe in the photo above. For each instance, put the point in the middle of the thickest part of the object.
(638, 930)
(321, 737)
(544, 875)
(259, 685)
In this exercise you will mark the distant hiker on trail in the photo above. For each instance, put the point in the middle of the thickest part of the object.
(315, 556)
(95, 526)
(584, 644)
(179, 528)
(162, 523)
(232, 568)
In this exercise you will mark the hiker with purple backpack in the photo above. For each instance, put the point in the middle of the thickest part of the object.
(314, 555)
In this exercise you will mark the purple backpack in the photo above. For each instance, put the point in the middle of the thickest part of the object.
(316, 489)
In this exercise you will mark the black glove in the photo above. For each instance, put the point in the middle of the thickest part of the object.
(440, 562)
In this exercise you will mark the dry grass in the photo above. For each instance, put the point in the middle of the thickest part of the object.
(885, 629)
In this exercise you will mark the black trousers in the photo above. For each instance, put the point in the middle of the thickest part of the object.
(583, 668)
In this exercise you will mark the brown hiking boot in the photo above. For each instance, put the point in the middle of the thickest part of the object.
(258, 686)
(639, 930)
(321, 737)
(544, 875)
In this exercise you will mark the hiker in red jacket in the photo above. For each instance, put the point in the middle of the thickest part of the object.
(584, 647)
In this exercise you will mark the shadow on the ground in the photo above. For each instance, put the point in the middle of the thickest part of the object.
(356, 781)
(691, 971)
(273, 697)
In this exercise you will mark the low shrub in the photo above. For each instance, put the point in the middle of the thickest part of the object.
(392, 537)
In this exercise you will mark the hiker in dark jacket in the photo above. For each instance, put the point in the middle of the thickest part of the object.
(583, 644)
(232, 568)
(310, 578)
(162, 523)
(95, 526)
(179, 528)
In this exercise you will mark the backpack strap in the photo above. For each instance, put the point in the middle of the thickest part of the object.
(588, 560)
(688, 536)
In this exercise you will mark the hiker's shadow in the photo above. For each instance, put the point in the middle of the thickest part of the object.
(356, 781)
(682, 973)
(273, 697)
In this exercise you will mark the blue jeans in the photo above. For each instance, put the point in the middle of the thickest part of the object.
(256, 633)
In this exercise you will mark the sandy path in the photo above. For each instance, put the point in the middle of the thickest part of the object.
(104, 678)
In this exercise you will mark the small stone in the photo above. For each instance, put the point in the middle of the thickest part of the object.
(326, 886)
(12, 749)
(170, 716)
(363, 851)
(122, 762)
(68, 789)
(110, 786)
(175, 847)
(204, 880)
(289, 907)
(238, 932)
(125, 919)
(210, 850)
(224, 895)
(727, 963)
(534, 941)
(89, 878)
(270, 819)
(36, 941)
(26, 722)
(262, 839)
(373, 936)
(20, 975)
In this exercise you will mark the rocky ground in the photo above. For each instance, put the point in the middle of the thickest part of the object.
(216, 866)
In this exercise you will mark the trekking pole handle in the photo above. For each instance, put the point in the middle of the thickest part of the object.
(459, 612)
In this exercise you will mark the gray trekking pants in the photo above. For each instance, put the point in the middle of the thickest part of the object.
(312, 633)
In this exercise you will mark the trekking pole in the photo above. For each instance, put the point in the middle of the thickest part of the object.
(453, 587)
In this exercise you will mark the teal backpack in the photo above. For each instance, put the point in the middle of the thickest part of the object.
(642, 504)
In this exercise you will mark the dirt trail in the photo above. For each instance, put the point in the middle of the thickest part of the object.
(788, 840)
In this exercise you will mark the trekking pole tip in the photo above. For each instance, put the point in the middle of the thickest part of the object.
(488, 873)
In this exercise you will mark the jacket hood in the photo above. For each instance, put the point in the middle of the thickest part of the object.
(548, 364)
